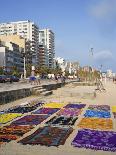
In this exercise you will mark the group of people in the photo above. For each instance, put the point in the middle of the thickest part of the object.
(35, 79)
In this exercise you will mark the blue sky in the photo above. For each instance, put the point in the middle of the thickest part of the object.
(78, 26)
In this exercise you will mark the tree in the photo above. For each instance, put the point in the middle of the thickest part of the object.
(1, 71)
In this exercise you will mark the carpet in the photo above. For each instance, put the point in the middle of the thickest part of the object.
(22, 110)
(113, 108)
(96, 140)
(62, 120)
(69, 112)
(99, 107)
(30, 120)
(5, 118)
(48, 111)
(8, 137)
(49, 136)
(15, 130)
(96, 123)
(78, 106)
(54, 105)
(98, 114)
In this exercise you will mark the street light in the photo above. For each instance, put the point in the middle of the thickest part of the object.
(24, 57)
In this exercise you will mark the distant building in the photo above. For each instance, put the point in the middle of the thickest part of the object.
(60, 63)
(28, 30)
(109, 73)
(11, 57)
(46, 37)
(23, 43)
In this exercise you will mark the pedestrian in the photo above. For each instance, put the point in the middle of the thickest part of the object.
(38, 79)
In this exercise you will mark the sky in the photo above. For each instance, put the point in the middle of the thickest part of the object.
(79, 26)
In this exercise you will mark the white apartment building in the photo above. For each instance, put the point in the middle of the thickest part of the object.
(61, 63)
(46, 37)
(28, 30)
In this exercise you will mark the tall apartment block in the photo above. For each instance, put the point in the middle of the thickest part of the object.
(46, 37)
(28, 30)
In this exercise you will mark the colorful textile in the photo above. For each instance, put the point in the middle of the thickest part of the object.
(30, 120)
(113, 108)
(96, 123)
(114, 113)
(21, 109)
(49, 136)
(62, 120)
(4, 118)
(69, 112)
(54, 105)
(99, 107)
(8, 137)
(15, 130)
(99, 114)
(78, 106)
(97, 140)
(48, 111)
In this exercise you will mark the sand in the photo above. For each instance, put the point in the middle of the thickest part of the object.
(69, 93)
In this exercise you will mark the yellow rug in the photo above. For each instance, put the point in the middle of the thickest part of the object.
(113, 108)
(96, 123)
(4, 118)
(54, 105)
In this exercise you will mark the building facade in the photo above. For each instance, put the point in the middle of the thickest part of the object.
(28, 30)
(46, 37)
(43, 55)
(11, 57)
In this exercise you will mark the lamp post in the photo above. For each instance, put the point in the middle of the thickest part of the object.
(24, 70)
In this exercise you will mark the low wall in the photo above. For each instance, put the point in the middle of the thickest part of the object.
(9, 96)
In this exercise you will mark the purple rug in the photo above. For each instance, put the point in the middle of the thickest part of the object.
(30, 120)
(48, 111)
(69, 112)
(78, 106)
(96, 140)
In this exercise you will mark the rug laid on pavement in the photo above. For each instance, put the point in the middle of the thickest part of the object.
(5, 118)
(69, 112)
(54, 105)
(78, 106)
(98, 114)
(48, 111)
(15, 130)
(97, 140)
(30, 120)
(62, 120)
(96, 123)
(99, 107)
(49, 136)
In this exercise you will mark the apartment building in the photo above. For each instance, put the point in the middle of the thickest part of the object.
(28, 30)
(11, 57)
(43, 55)
(46, 37)
(23, 43)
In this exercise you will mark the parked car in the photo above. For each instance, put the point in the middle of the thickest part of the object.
(4, 78)
(13, 78)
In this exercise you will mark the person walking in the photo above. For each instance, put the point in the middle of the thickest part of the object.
(38, 79)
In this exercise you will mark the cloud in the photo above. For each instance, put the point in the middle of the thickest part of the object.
(104, 9)
(103, 56)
